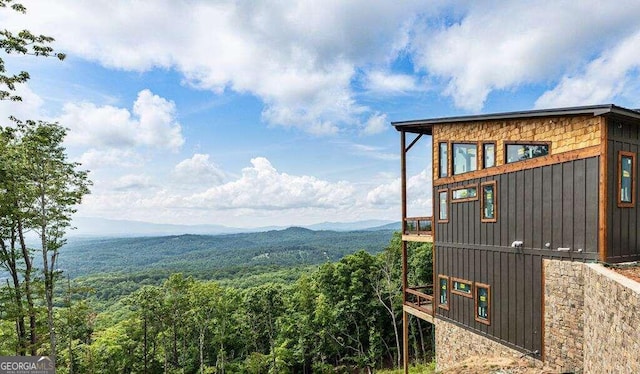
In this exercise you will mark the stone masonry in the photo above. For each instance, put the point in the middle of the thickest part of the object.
(564, 133)
(612, 322)
(563, 315)
(455, 344)
(591, 324)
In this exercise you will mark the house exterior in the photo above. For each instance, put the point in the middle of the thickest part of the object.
(518, 199)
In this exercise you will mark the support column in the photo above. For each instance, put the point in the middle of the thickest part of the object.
(405, 341)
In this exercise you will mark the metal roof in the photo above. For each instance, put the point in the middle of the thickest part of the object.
(424, 126)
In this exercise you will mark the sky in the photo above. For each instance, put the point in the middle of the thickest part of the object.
(260, 113)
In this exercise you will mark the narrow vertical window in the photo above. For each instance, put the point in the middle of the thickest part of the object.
(483, 303)
(443, 206)
(488, 202)
(444, 159)
(626, 179)
(443, 293)
(488, 155)
(465, 157)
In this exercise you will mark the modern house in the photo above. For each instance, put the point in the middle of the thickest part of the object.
(519, 198)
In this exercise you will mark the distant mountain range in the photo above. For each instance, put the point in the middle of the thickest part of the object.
(101, 227)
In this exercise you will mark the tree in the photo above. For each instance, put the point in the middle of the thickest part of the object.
(24, 43)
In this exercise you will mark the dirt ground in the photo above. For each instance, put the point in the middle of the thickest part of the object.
(632, 272)
(494, 365)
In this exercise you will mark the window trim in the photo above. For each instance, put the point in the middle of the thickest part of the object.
(448, 163)
(632, 203)
(507, 143)
(446, 193)
(495, 151)
(461, 293)
(473, 185)
(495, 201)
(479, 319)
(440, 305)
(452, 159)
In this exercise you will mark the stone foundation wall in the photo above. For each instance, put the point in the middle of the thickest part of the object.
(455, 344)
(612, 322)
(564, 315)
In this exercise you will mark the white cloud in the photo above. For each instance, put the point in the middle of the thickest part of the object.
(376, 124)
(380, 82)
(298, 58)
(151, 123)
(504, 45)
(262, 187)
(602, 81)
(28, 108)
(419, 195)
(95, 159)
(198, 169)
(374, 152)
(132, 182)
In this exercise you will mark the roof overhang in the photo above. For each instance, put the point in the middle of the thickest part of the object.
(425, 126)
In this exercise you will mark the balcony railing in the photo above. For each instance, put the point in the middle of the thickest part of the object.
(418, 226)
(420, 298)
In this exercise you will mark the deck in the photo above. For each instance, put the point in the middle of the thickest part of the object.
(418, 229)
(419, 302)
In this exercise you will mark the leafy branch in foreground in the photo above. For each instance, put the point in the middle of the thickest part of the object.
(25, 43)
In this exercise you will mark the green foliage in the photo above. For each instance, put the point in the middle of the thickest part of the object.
(23, 43)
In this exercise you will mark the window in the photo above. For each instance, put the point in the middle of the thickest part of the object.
(626, 179)
(464, 194)
(488, 155)
(465, 157)
(520, 152)
(482, 303)
(444, 159)
(461, 287)
(443, 207)
(488, 202)
(443, 292)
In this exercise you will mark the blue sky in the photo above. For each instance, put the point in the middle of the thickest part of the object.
(258, 113)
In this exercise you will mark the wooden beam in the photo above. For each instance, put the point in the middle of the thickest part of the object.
(603, 198)
(405, 341)
(413, 142)
(418, 313)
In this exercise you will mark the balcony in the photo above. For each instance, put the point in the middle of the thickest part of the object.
(418, 229)
(419, 302)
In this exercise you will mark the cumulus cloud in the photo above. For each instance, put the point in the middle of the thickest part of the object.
(382, 82)
(508, 44)
(376, 124)
(151, 123)
(198, 169)
(419, 195)
(603, 80)
(298, 58)
(30, 105)
(261, 186)
(132, 182)
(96, 158)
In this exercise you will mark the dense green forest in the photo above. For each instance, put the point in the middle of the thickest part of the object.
(263, 317)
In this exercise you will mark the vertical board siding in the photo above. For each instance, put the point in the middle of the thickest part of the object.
(516, 295)
(555, 204)
(623, 238)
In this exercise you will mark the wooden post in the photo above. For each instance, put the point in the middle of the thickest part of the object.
(405, 341)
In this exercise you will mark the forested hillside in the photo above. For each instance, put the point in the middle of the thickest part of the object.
(286, 301)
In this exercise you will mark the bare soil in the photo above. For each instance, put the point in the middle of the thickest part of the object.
(632, 272)
(495, 365)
